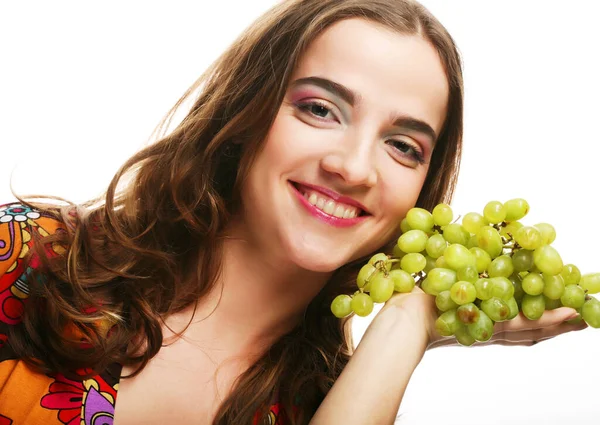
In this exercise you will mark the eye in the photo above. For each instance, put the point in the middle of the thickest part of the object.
(317, 110)
(408, 150)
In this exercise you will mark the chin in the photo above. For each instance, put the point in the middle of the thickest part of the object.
(317, 260)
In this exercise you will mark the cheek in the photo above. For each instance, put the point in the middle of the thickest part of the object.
(282, 141)
(400, 193)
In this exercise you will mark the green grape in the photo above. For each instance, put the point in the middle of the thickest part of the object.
(522, 260)
(364, 275)
(483, 289)
(533, 306)
(534, 269)
(510, 229)
(482, 259)
(554, 286)
(501, 266)
(483, 329)
(341, 306)
(547, 231)
(381, 257)
(403, 281)
(426, 287)
(494, 212)
(468, 313)
(463, 292)
(441, 262)
(473, 221)
(442, 215)
(490, 241)
(443, 301)
(447, 323)
(591, 283)
(551, 304)
(574, 296)
(502, 287)
(463, 337)
(468, 273)
(404, 227)
(513, 308)
(518, 287)
(496, 308)
(430, 265)
(413, 263)
(533, 284)
(412, 241)
(472, 242)
(382, 288)
(590, 312)
(548, 260)
(441, 279)
(528, 237)
(456, 233)
(397, 253)
(436, 245)
(458, 256)
(362, 304)
(571, 274)
(419, 218)
(516, 209)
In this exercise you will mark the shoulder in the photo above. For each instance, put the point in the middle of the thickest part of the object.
(20, 226)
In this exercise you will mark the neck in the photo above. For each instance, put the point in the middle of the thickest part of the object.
(258, 298)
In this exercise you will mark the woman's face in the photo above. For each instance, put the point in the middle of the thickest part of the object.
(350, 147)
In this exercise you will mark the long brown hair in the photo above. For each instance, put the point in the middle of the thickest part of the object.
(150, 246)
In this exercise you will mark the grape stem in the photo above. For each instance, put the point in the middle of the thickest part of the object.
(500, 225)
(419, 277)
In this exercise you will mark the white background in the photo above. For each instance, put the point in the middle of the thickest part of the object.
(82, 86)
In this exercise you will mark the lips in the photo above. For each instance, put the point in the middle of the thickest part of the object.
(331, 202)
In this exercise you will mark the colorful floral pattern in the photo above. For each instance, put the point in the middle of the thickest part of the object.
(87, 402)
(27, 398)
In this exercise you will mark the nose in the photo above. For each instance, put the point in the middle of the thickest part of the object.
(353, 161)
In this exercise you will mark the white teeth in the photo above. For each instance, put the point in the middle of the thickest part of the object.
(339, 211)
(329, 206)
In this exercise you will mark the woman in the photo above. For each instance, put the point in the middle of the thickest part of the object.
(208, 277)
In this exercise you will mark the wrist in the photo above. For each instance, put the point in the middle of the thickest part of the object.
(396, 325)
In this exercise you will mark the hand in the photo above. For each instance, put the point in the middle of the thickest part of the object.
(518, 331)
(525, 332)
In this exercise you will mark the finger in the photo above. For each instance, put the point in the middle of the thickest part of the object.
(532, 336)
(549, 318)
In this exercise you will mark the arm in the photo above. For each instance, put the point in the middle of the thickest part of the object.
(371, 387)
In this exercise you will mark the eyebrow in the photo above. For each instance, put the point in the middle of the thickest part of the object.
(352, 98)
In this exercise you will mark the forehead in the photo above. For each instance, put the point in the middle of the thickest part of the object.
(391, 72)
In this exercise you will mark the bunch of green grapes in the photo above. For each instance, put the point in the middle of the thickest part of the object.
(486, 269)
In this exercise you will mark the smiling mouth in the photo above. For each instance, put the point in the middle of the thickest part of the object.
(328, 205)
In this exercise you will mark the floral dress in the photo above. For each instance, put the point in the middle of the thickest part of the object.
(27, 397)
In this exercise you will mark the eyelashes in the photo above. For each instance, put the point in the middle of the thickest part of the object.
(407, 149)
(320, 110)
(310, 107)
